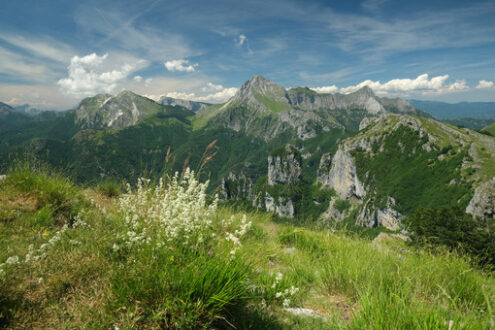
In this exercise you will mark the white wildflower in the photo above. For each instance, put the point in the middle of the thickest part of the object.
(12, 260)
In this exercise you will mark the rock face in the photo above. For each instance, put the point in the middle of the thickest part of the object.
(236, 187)
(323, 172)
(342, 176)
(482, 205)
(282, 206)
(284, 166)
(189, 105)
(365, 122)
(388, 217)
(333, 213)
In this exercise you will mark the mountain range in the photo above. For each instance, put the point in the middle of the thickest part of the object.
(347, 157)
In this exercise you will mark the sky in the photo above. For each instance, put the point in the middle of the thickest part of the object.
(55, 53)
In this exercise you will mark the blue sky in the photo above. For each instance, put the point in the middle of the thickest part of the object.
(54, 53)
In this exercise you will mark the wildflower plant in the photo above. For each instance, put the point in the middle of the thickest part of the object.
(171, 241)
(175, 216)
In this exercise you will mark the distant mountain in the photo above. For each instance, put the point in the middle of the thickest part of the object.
(263, 108)
(475, 124)
(28, 109)
(10, 117)
(442, 110)
(355, 157)
(122, 110)
(189, 105)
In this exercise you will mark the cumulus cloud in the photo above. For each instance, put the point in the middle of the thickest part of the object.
(180, 65)
(89, 76)
(210, 93)
(326, 89)
(421, 84)
(485, 84)
(211, 87)
(138, 78)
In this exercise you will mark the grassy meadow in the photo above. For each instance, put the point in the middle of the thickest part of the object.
(165, 255)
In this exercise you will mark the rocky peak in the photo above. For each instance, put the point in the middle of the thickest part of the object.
(258, 86)
(365, 92)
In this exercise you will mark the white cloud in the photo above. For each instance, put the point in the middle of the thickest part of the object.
(40, 46)
(326, 89)
(180, 65)
(211, 87)
(138, 78)
(241, 39)
(182, 95)
(219, 97)
(485, 84)
(210, 93)
(422, 84)
(88, 76)
(20, 67)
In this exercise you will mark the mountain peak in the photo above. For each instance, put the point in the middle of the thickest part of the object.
(126, 93)
(365, 90)
(259, 85)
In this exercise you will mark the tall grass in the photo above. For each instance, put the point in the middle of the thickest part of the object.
(117, 264)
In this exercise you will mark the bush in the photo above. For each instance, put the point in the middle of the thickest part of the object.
(109, 188)
(455, 229)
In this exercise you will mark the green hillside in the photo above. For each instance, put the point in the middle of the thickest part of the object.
(489, 129)
(72, 258)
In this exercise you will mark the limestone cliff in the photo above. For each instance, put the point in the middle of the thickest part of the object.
(482, 205)
(284, 166)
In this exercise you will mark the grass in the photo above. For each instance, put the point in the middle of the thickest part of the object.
(351, 282)
(490, 129)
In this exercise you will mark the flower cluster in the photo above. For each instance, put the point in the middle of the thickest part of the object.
(282, 294)
(236, 236)
(167, 214)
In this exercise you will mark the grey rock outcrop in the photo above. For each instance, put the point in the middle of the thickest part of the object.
(323, 172)
(365, 122)
(236, 187)
(333, 213)
(284, 167)
(482, 205)
(282, 206)
(388, 217)
(342, 176)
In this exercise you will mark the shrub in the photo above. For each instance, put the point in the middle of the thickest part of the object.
(109, 188)
(455, 229)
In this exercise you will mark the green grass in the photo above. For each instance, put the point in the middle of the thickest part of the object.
(351, 282)
(414, 177)
(490, 129)
(272, 104)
